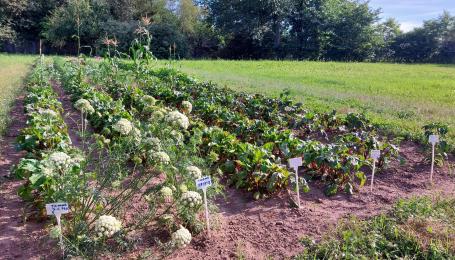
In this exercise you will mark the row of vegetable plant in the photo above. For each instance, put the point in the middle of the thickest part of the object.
(160, 156)
(52, 164)
(249, 157)
(99, 189)
(284, 113)
(338, 164)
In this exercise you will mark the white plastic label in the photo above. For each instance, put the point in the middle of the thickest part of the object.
(203, 183)
(433, 139)
(375, 154)
(57, 208)
(295, 162)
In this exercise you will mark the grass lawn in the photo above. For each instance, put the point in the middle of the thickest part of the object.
(401, 98)
(13, 69)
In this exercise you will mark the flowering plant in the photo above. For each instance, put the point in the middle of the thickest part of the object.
(178, 119)
(123, 126)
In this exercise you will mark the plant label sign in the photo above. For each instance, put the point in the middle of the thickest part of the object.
(433, 139)
(375, 154)
(57, 208)
(203, 183)
(295, 163)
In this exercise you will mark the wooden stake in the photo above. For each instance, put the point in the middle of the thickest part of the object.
(206, 212)
(432, 163)
(372, 176)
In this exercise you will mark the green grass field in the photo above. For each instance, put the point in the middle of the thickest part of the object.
(13, 69)
(401, 98)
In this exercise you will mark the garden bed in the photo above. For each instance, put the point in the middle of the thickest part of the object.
(129, 178)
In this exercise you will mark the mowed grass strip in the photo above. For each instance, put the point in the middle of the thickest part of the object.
(13, 69)
(399, 97)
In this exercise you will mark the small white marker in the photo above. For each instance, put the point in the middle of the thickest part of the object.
(375, 155)
(295, 163)
(202, 184)
(58, 209)
(433, 139)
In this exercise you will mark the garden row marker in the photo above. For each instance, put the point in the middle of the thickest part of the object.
(57, 209)
(202, 184)
(295, 163)
(433, 139)
(375, 154)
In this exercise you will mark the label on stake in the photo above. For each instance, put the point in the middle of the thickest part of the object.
(295, 163)
(57, 208)
(375, 154)
(203, 183)
(433, 139)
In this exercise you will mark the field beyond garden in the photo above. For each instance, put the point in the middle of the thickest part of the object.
(13, 69)
(400, 97)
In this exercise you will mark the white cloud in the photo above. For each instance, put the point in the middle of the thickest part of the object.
(409, 26)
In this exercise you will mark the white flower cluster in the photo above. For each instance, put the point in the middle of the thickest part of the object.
(160, 157)
(48, 112)
(178, 119)
(154, 143)
(107, 226)
(59, 160)
(187, 107)
(177, 136)
(149, 100)
(166, 192)
(191, 199)
(84, 106)
(194, 172)
(137, 135)
(123, 126)
(157, 115)
(181, 238)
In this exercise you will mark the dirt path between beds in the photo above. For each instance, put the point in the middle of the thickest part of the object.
(18, 239)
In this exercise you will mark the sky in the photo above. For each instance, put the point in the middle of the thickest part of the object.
(412, 13)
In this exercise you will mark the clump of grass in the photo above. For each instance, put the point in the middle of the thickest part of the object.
(419, 228)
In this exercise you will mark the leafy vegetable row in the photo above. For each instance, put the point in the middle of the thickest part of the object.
(338, 164)
(52, 166)
(255, 160)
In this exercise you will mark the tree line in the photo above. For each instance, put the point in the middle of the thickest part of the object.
(330, 30)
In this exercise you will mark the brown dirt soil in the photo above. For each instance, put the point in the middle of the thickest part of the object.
(18, 239)
(71, 116)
